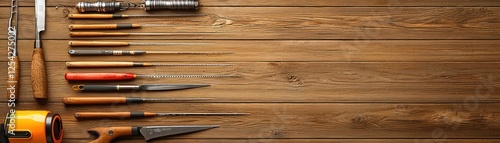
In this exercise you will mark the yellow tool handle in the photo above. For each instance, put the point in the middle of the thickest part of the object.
(38, 75)
(96, 44)
(103, 26)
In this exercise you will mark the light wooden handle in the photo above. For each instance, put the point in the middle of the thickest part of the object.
(96, 16)
(93, 100)
(98, 64)
(38, 75)
(92, 34)
(108, 134)
(96, 44)
(13, 79)
(103, 26)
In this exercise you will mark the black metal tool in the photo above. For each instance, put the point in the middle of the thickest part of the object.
(145, 87)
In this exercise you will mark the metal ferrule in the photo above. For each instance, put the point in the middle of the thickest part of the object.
(99, 6)
(169, 4)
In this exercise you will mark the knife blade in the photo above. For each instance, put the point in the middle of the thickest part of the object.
(144, 87)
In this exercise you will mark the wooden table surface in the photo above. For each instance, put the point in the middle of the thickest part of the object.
(312, 71)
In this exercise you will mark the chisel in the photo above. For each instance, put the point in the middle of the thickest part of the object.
(99, 34)
(113, 16)
(122, 100)
(73, 52)
(129, 64)
(143, 87)
(38, 72)
(123, 44)
(126, 115)
(131, 76)
(13, 71)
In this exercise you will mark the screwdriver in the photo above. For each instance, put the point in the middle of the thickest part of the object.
(113, 16)
(99, 34)
(129, 64)
(113, 26)
(121, 53)
(126, 115)
(122, 100)
(118, 44)
(131, 76)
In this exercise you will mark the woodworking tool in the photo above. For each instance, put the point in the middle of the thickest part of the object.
(113, 16)
(38, 72)
(113, 26)
(100, 34)
(118, 44)
(126, 115)
(132, 53)
(131, 76)
(122, 100)
(32, 126)
(148, 5)
(144, 87)
(13, 59)
(108, 134)
(129, 64)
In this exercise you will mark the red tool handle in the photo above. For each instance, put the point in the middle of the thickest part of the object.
(98, 76)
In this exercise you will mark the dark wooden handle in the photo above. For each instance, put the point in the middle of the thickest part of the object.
(38, 75)
(99, 76)
(108, 134)
(103, 26)
(99, 64)
(13, 79)
(94, 100)
(96, 44)
(96, 34)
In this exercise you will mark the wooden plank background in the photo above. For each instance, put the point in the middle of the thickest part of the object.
(312, 71)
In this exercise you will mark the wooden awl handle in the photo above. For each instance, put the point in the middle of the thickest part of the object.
(38, 75)
(103, 26)
(96, 44)
(99, 76)
(93, 100)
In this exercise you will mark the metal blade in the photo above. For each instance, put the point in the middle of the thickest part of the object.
(165, 87)
(163, 44)
(173, 34)
(151, 132)
(186, 76)
(167, 15)
(157, 64)
(172, 99)
(40, 15)
(184, 53)
(201, 114)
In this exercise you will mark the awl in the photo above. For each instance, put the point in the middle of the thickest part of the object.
(122, 100)
(132, 53)
(108, 134)
(129, 64)
(126, 115)
(113, 16)
(123, 44)
(38, 72)
(113, 26)
(13, 71)
(131, 76)
(143, 87)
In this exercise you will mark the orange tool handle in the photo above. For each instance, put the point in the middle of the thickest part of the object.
(96, 34)
(96, 43)
(103, 26)
(99, 76)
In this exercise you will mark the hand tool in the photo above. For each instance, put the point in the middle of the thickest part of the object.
(122, 100)
(129, 64)
(38, 72)
(13, 63)
(113, 16)
(100, 34)
(118, 44)
(144, 87)
(131, 76)
(126, 115)
(108, 134)
(132, 53)
(33, 126)
(111, 6)
(113, 26)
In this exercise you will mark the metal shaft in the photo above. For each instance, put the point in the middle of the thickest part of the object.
(153, 100)
(187, 53)
(13, 69)
(187, 76)
(158, 64)
(163, 44)
(201, 114)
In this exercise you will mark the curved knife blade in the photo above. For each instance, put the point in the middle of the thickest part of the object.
(151, 132)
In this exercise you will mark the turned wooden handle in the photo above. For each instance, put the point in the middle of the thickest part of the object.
(96, 16)
(108, 134)
(13, 79)
(99, 76)
(103, 26)
(98, 64)
(96, 44)
(38, 75)
(94, 100)
(92, 34)
(119, 115)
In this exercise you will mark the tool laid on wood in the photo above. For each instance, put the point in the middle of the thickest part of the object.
(126, 115)
(113, 26)
(122, 100)
(131, 76)
(129, 64)
(108, 134)
(32, 126)
(132, 53)
(148, 5)
(114, 16)
(100, 34)
(119, 44)
(143, 87)
(13, 72)
(38, 72)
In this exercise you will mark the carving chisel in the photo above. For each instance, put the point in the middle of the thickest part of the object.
(129, 64)
(13, 71)
(122, 44)
(126, 115)
(38, 72)
(131, 76)
(132, 53)
(144, 87)
(99, 34)
(113, 16)
(108, 134)
(122, 100)
(113, 26)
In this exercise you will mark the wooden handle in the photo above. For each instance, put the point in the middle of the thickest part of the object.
(13, 79)
(94, 100)
(96, 44)
(108, 134)
(38, 75)
(99, 76)
(114, 115)
(95, 16)
(98, 64)
(103, 26)
(96, 34)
